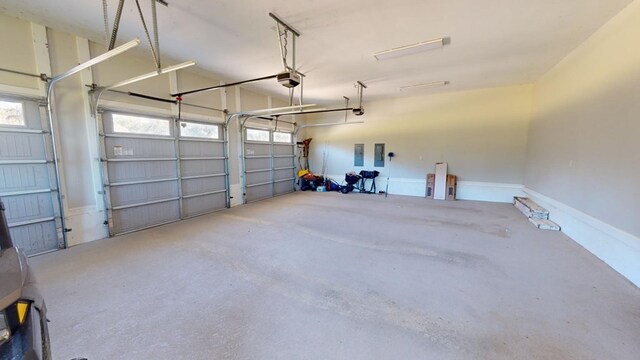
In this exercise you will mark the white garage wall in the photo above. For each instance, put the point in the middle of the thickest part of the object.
(125, 66)
(481, 134)
(80, 178)
(20, 55)
(190, 81)
(584, 154)
(31, 48)
(69, 110)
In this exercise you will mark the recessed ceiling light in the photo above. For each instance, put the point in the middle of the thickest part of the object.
(410, 49)
(431, 84)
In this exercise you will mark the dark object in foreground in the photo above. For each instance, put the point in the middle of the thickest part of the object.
(357, 182)
(23, 322)
(351, 179)
(310, 182)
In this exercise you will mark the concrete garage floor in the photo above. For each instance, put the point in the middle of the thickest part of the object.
(332, 276)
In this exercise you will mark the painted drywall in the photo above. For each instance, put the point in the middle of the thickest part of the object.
(583, 160)
(481, 134)
(252, 101)
(584, 149)
(125, 66)
(190, 81)
(70, 116)
(17, 52)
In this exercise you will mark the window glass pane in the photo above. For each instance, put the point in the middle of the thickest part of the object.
(358, 155)
(11, 113)
(140, 125)
(378, 155)
(282, 137)
(199, 130)
(257, 135)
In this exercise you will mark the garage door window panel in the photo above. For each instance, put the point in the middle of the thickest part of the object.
(199, 130)
(257, 135)
(282, 137)
(12, 114)
(131, 124)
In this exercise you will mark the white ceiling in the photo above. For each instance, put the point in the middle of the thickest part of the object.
(493, 42)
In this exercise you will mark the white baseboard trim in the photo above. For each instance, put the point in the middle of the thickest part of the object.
(485, 191)
(616, 248)
(86, 224)
(397, 186)
(466, 190)
(402, 186)
(236, 194)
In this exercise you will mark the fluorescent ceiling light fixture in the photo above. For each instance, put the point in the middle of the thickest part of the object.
(426, 85)
(267, 111)
(410, 49)
(299, 112)
(98, 59)
(151, 74)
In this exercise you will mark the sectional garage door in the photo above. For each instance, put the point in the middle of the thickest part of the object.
(28, 185)
(268, 163)
(202, 168)
(158, 171)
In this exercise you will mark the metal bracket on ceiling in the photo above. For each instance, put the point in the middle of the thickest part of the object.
(154, 44)
(289, 77)
(359, 110)
(346, 105)
(283, 39)
(98, 90)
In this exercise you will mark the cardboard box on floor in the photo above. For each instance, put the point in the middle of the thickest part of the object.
(452, 183)
(431, 181)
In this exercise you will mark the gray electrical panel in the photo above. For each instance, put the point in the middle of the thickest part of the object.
(378, 155)
(358, 155)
